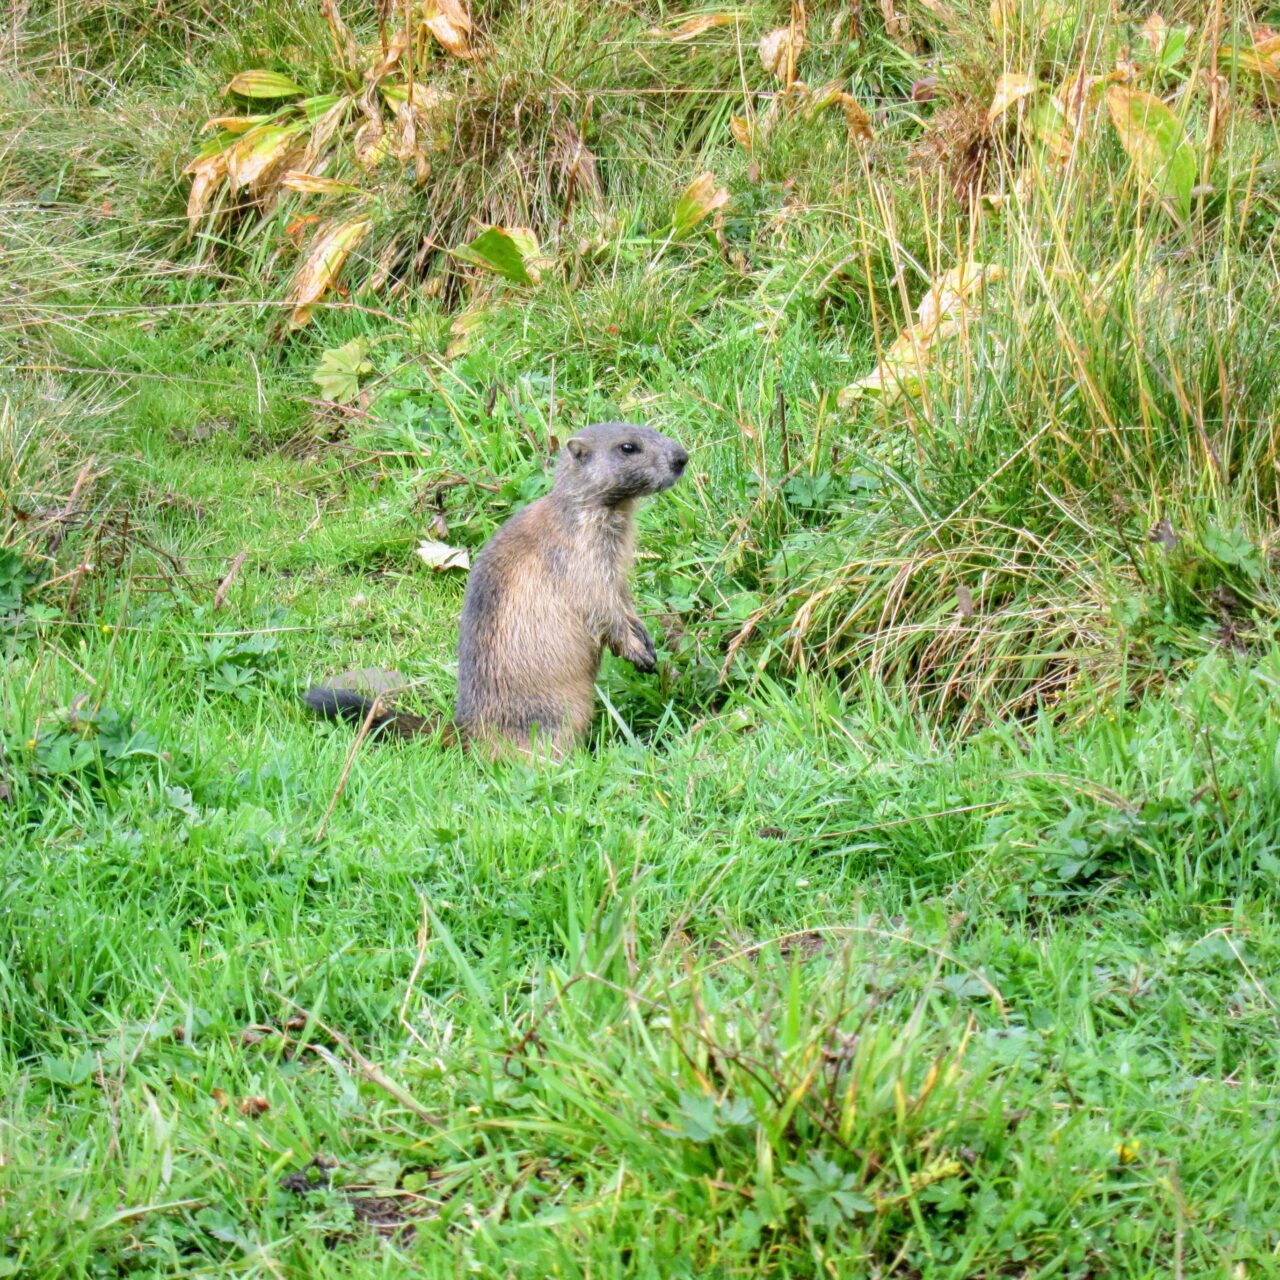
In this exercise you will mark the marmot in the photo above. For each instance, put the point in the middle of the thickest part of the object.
(547, 593)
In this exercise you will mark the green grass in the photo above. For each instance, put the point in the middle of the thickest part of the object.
(918, 919)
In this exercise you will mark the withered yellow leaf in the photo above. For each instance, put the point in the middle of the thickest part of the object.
(322, 130)
(942, 312)
(696, 26)
(1261, 58)
(1011, 88)
(391, 56)
(857, 119)
(235, 124)
(894, 22)
(698, 199)
(371, 142)
(450, 23)
(309, 184)
(206, 174)
(461, 330)
(250, 159)
(1156, 142)
(320, 269)
(1154, 32)
(1047, 120)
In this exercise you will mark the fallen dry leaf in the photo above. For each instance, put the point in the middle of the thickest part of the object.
(461, 330)
(322, 131)
(780, 50)
(387, 261)
(396, 45)
(298, 224)
(894, 23)
(1154, 32)
(234, 124)
(371, 142)
(441, 556)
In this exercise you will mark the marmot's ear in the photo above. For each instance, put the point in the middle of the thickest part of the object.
(578, 448)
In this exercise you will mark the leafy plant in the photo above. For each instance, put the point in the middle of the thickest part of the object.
(235, 665)
(340, 369)
(327, 145)
(17, 575)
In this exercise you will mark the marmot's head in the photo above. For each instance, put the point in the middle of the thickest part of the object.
(609, 462)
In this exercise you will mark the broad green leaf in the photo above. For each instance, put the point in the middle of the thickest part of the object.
(263, 84)
(1156, 143)
(315, 108)
(1166, 44)
(510, 251)
(338, 373)
(1057, 120)
(1175, 45)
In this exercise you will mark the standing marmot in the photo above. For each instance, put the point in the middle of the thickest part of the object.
(547, 593)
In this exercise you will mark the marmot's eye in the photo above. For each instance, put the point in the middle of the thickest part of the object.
(628, 447)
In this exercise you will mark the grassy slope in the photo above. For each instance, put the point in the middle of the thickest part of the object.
(714, 1000)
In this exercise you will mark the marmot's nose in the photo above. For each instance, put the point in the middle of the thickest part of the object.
(679, 457)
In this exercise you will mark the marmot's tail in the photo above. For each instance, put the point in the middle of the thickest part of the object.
(331, 702)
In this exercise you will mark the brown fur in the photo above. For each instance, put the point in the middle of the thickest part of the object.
(547, 594)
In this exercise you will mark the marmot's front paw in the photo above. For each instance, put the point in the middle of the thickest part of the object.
(640, 651)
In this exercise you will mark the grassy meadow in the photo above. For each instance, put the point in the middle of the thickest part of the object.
(919, 918)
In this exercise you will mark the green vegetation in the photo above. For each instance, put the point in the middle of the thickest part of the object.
(919, 919)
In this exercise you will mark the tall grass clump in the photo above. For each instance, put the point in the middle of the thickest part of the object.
(1062, 472)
